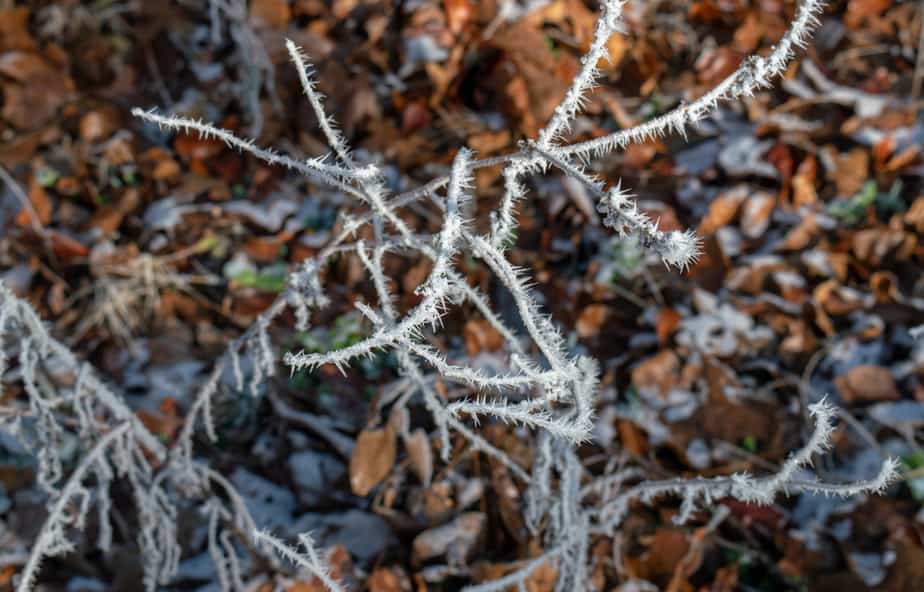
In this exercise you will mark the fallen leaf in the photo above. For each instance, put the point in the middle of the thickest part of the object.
(458, 12)
(420, 455)
(755, 215)
(384, 579)
(41, 207)
(666, 324)
(480, 335)
(659, 374)
(456, 540)
(866, 384)
(41, 90)
(591, 320)
(372, 459)
(723, 209)
(271, 14)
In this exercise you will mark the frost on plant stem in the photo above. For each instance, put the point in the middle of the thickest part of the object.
(541, 384)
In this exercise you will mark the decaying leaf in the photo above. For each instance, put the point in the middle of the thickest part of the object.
(373, 458)
(867, 384)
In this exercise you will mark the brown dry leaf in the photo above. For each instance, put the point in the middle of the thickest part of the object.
(755, 215)
(665, 549)
(914, 217)
(456, 540)
(41, 90)
(532, 78)
(666, 324)
(486, 142)
(658, 374)
(882, 150)
(867, 384)
(716, 64)
(66, 248)
(373, 458)
(420, 455)
(98, 124)
(803, 183)
(341, 570)
(874, 245)
(458, 12)
(800, 339)
(543, 578)
(617, 46)
(193, 147)
(749, 34)
(903, 159)
(851, 172)
(632, 438)
(830, 297)
(164, 422)
(723, 210)
(14, 29)
(416, 275)
(884, 286)
(591, 319)
(384, 580)
(859, 11)
(41, 206)
(271, 14)
(481, 335)
(801, 236)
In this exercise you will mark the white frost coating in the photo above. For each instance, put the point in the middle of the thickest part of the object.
(540, 384)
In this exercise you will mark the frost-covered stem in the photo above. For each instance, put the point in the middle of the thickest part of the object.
(753, 74)
(49, 537)
(335, 139)
(435, 289)
(518, 577)
(309, 559)
(744, 487)
(315, 168)
(540, 328)
(529, 413)
(201, 406)
(34, 334)
(608, 23)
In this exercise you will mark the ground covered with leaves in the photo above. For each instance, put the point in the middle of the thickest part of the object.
(148, 252)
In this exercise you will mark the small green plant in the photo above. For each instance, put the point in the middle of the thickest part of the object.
(913, 463)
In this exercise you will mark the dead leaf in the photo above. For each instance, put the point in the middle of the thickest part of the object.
(851, 172)
(456, 540)
(665, 548)
(748, 35)
(800, 237)
(723, 209)
(884, 286)
(591, 320)
(384, 579)
(373, 458)
(14, 29)
(866, 384)
(860, 11)
(666, 324)
(98, 124)
(458, 12)
(420, 455)
(41, 90)
(480, 335)
(803, 183)
(659, 374)
(41, 206)
(755, 215)
(270, 14)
